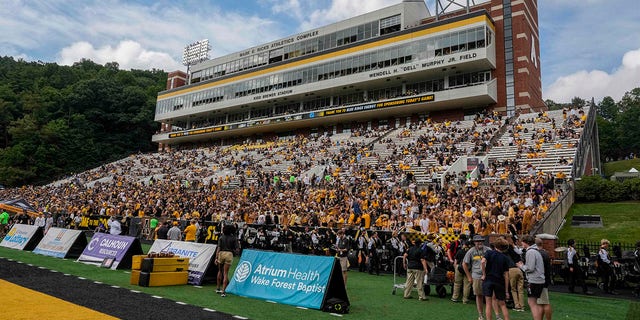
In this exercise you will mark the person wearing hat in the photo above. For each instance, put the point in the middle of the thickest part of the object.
(415, 261)
(576, 274)
(472, 265)
(174, 233)
(605, 267)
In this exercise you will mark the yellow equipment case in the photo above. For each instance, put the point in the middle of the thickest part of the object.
(156, 279)
(164, 264)
(136, 261)
(135, 277)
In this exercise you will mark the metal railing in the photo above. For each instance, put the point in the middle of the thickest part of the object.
(553, 220)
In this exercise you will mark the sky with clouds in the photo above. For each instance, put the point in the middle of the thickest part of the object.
(589, 48)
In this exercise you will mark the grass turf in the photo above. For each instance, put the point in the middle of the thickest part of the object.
(370, 297)
(618, 166)
(620, 221)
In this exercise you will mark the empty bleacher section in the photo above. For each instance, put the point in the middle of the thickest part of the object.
(400, 178)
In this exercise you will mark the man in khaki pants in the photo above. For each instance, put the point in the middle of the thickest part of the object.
(415, 261)
(461, 282)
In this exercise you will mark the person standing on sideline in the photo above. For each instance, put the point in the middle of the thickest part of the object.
(604, 267)
(227, 246)
(460, 279)
(4, 222)
(544, 296)
(190, 231)
(472, 268)
(114, 226)
(576, 274)
(516, 278)
(533, 267)
(40, 221)
(375, 244)
(174, 233)
(153, 224)
(342, 246)
(495, 278)
(415, 262)
(162, 231)
(361, 244)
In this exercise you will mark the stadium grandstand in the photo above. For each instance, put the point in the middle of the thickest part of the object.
(381, 121)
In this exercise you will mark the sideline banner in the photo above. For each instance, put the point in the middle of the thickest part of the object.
(22, 237)
(62, 243)
(118, 248)
(201, 256)
(294, 279)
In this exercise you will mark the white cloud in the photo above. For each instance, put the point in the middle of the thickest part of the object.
(340, 10)
(129, 55)
(160, 30)
(598, 84)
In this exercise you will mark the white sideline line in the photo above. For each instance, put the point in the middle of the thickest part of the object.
(335, 314)
(30, 265)
(53, 271)
(41, 268)
(81, 278)
(157, 297)
(270, 301)
(97, 282)
(207, 309)
(135, 291)
(241, 318)
(116, 287)
(66, 274)
(127, 272)
(181, 303)
(199, 287)
(302, 308)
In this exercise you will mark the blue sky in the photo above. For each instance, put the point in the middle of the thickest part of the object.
(588, 47)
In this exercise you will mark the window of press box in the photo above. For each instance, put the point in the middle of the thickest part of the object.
(390, 24)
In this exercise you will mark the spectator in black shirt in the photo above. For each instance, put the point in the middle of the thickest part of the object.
(163, 230)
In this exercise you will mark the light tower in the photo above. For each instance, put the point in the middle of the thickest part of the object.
(195, 53)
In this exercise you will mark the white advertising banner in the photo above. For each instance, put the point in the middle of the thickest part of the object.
(19, 236)
(200, 255)
(57, 242)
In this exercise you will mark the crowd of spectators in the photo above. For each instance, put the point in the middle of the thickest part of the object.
(320, 181)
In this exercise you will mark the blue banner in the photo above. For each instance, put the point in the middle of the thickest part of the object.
(294, 279)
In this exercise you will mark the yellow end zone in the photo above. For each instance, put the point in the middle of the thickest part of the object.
(22, 303)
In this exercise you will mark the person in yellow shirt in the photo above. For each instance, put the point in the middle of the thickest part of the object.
(190, 231)
(366, 218)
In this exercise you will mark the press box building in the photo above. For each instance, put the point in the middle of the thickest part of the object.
(388, 67)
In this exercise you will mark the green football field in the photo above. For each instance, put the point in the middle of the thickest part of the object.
(370, 296)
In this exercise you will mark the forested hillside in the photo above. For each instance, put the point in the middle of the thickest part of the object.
(56, 120)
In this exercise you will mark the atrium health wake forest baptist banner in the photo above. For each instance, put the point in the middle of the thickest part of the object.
(294, 279)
